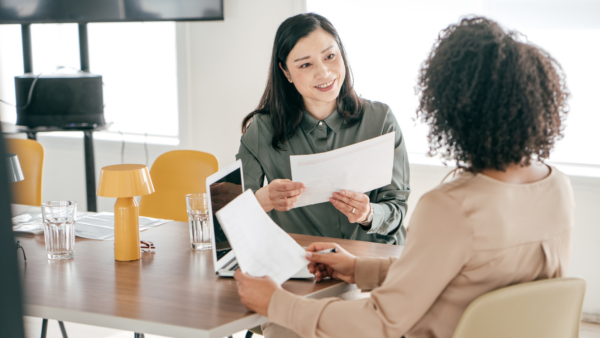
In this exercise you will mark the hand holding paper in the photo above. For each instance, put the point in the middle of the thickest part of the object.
(261, 247)
(360, 167)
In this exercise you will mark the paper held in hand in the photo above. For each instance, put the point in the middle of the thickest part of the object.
(360, 167)
(261, 247)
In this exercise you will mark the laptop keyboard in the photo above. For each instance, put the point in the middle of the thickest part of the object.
(234, 267)
(222, 253)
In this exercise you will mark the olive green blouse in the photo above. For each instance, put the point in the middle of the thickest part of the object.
(260, 159)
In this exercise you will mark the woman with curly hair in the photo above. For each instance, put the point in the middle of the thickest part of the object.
(495, 106)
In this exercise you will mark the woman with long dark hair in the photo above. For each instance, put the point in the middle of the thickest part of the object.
(496, 106)
(308, 107)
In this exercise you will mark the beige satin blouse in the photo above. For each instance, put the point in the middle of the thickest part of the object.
(466, 237)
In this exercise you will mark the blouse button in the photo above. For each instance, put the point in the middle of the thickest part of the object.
(320, 123)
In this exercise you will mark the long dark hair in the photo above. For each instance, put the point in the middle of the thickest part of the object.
(281, 101)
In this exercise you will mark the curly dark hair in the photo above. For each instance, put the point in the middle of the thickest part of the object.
(490, 101)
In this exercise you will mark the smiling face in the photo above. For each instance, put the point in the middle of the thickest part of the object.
(316, 68)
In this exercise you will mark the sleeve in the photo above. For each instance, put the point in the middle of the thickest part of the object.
(254, 174)
(370, 272)
(389, 205)
(438, 247)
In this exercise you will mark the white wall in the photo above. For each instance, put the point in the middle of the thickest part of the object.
(222, 68)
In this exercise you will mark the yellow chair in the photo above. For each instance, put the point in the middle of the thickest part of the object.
(174, 175)
(31, 157)
(548, 308)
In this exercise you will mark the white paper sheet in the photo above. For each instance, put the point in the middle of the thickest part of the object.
(261, 247)
(360, 167)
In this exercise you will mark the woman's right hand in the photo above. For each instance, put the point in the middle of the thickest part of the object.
(280, 194)
(338, 265)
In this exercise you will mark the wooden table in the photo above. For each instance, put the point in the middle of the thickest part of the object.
(172, 292)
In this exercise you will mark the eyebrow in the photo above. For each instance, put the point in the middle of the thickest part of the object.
(308, 57)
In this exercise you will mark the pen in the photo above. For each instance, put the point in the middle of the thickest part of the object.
(327, 251)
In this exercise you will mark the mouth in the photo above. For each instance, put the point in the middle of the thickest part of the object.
(326, 86)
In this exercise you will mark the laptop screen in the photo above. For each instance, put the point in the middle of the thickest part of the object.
(221, 193)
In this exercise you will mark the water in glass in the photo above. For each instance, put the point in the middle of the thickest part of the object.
(59, 229)
(200, 232)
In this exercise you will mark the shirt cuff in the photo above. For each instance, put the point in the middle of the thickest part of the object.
(378, 220)
(370, 272)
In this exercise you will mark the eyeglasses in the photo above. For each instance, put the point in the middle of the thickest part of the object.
(146, 246)
(20, 247)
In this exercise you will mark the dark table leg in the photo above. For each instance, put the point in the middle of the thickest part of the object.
(90, 171)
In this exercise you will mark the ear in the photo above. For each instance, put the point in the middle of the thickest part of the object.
(286, 73)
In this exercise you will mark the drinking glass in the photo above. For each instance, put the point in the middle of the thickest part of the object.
(59, 228)
(197, 210)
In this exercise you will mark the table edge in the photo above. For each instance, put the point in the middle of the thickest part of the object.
(162, 329)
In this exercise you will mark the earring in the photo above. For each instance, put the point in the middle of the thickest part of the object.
(290, 80)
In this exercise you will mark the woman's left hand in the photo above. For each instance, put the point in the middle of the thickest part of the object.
(356, 206)
(255, 292)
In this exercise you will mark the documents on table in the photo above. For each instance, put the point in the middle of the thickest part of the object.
(90, 225)
(261, 247)
(360, 167)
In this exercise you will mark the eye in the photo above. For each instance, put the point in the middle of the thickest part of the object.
(305, 65)
(330, 56)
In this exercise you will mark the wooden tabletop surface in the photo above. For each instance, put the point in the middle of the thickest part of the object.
(173, 285)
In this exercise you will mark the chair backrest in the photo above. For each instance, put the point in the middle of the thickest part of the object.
(175, 174)
(31, 158)
(549, 308)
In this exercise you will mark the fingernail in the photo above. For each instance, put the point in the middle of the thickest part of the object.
(309, 254)
(342, 192)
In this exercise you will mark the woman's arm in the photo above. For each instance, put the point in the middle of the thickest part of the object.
(390, 202)
(438, 247)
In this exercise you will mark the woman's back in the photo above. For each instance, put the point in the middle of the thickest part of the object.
(508, 234)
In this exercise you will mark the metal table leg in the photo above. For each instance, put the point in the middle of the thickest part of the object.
(44, 327)
(90, 171)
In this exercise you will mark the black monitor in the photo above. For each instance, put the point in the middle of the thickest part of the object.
(78, 11)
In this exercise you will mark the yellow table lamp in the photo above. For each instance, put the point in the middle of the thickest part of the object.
(124, 181)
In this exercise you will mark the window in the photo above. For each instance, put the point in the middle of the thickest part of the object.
(136, 60)
(386, 42)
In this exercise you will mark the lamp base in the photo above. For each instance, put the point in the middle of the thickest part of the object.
(127, 229)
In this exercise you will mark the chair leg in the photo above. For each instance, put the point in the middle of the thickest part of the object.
(44, 327)
(249, 334)
(62, 329)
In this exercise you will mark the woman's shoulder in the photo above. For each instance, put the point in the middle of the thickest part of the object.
(376, 108)
(378, 114)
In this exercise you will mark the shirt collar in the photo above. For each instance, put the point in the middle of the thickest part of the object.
(333, 121)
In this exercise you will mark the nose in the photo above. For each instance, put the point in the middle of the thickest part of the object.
(322, 71)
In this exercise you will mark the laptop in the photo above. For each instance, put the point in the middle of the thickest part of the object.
(222, 187)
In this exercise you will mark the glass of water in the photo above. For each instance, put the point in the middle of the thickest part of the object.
(59, 228)
(197, 210)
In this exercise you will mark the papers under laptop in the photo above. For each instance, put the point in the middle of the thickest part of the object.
(261, 247)
(360, 167)
(223, 187)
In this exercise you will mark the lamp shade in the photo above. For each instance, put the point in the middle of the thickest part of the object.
(125, 180)
(15, 174)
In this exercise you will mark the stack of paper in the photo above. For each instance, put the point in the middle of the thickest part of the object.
(261, 247)
(360, 167)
